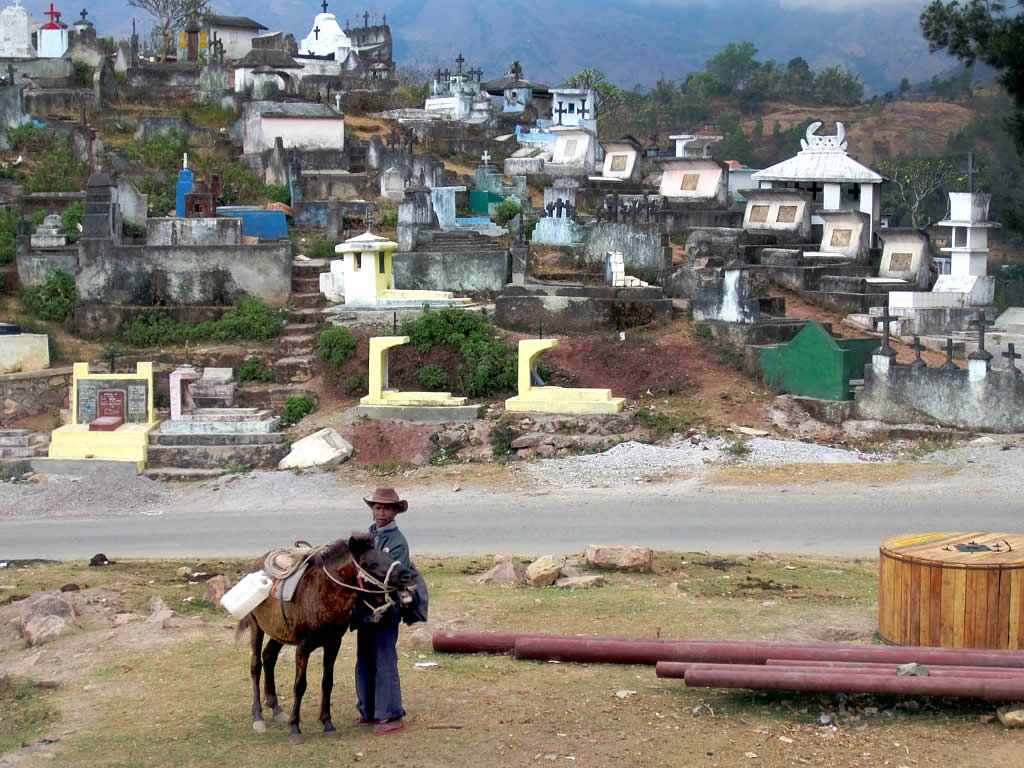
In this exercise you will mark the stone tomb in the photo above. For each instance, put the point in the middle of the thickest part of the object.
(785, 213)
(16, 32)
(621, 161)
(905, 257)
(575, 150)
(544, 399)
(844, 238)
(49, 234)
(392, 184)
(203, 403)
(695, 180)
(121, 407)
(21, 352)
(382, 402)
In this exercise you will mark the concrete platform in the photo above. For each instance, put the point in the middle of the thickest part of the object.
(420, 414)
(219, 427)
(83, 467)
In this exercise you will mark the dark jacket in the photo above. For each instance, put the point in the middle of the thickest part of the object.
(389, 539)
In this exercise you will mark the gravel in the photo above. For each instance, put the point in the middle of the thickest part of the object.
(71, 496)
(766, 450)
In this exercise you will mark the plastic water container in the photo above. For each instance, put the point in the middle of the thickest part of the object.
(247, 594)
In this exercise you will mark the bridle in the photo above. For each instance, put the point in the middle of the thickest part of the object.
(379, 588)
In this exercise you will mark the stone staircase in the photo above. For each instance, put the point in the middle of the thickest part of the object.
(22, 444)
(296, 346)
(456, 241)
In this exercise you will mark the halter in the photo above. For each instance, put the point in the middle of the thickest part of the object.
(382, 588)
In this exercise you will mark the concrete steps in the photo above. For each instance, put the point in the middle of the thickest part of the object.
(294, 369)
(308, 300)
(305, 284)
(22, 444)
(272, 396)
(230, 438)
(305, 315)
(219, 457)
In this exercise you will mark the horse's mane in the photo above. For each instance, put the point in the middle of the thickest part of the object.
(335, 554)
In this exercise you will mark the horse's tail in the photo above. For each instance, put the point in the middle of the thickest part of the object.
(242, 626)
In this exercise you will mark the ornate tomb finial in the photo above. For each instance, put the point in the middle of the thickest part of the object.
(813, 142)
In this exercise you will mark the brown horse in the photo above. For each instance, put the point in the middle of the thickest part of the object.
(316, 618)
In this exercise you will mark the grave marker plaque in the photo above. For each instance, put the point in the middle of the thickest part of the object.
(111, 403)
(689, 183)
(759, 213)
(900, 262)
(786, 215)
(840, 238)
(619, 163)
(134, 394)
(570, 149)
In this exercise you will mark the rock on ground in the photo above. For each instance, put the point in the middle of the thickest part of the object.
(1012, 715)
(46, 616)
(319, 449)
(580, 582)
(508, 573)
(543, 571)
(216, 587)
(620, 557)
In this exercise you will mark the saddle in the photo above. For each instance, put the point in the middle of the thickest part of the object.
(287, 565)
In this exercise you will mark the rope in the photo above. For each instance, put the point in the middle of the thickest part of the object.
(275, 571)
(383, 588)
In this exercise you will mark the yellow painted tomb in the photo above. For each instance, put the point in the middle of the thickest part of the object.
(556, 399)
(381, 395)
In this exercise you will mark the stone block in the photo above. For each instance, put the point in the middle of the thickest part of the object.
(508, 573)
(543, 571)
(322, 448)
(580, 582)
(623, 558)
(24, 352)
(1011, 715)
(45, 616)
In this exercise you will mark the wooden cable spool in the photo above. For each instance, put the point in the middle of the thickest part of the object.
(952, 590)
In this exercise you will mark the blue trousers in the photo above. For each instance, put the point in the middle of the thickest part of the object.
(377, 685)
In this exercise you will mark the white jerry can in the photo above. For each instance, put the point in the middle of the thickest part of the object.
(247, 594)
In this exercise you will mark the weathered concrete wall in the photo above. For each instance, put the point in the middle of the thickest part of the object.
(993, 402)
(164, 77)
(58, 101)
(459, 271)
(134, 205)
(714, 243)
(157, 275)
(640, 245)
(49, 202)
(681, 217)
(103, 319)
(44, 73)
(618, 308)
(34, 266)
(12, 111)
(26, 393)
(205, 231)
(24, 352)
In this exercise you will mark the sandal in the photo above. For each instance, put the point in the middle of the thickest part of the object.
(363, 721)
(389, 726)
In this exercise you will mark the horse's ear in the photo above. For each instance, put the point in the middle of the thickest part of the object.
(359, 543)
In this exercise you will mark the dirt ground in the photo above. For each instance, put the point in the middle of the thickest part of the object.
(124, 691)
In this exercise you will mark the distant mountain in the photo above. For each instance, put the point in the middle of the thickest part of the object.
(632, 41)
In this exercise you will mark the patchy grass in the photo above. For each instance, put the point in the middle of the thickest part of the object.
(26, 712)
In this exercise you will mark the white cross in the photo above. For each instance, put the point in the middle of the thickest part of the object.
(486, 157)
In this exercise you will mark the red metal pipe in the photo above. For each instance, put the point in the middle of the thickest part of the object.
(713, 676)
(933, 668)
(678, 669)
(504, 642)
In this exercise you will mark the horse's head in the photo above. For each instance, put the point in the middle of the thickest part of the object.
(379, 564)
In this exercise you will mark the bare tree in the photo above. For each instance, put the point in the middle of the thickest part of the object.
(918, 181)
(169, 16)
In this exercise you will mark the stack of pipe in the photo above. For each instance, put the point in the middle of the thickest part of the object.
(988, 674)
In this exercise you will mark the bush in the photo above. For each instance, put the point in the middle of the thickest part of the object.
(254, 369)
(502, 435)
(58, 171)
(29, 138)
(506, 211)
(161, 151)
(356, 384)
(295, 408)
(71, 218)
(278, 193)
(132, 230)
(53, 299)
(320, 248)
(433, 378)
(249, 319)
(9, 218)
(336, 345)
(37, 220)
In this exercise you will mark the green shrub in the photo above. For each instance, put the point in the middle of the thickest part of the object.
(356, 384)
(254, 369)
(737, 447)
(53, 299)
(37, 219)
(29, 138)
(71, 218)
(9, 218)
(250, 318)
(387, 215)
(703, 332)
(159, 193)
(82, 73)
(295, 408)
(502, 435)
(337, 345)
(506, 211)
(131, 229)
(528, 226)
(433, 378)
(278, 193)
(58, 171)
(161, 151)
(320, 248)
(3, 285)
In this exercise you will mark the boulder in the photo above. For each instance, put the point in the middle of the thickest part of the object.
(543, 571)
(451, 439)
(216, 587)
(46, 616)
(623, 558)
(570, 572)
(422, 638)
(507, 573)
(319, 449)
(580, 582)
(1012, 715)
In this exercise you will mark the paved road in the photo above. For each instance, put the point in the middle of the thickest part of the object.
(846, 520)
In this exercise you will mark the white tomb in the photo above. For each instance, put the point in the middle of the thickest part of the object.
(575, 149)
(326, 38)
(905, 257)
(774, 211)
(695, 144)
(573, 107)
(392, 184)
(53, 37)
(621, 161)
(843, 238)
(695, 180)
(22, 352)
(823, 162)
(16, 33)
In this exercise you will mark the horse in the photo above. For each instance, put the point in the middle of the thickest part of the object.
(317, 618)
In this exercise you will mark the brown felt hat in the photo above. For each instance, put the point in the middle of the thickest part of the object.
(387, 496)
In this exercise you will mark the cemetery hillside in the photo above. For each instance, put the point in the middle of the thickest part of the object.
(673, 351)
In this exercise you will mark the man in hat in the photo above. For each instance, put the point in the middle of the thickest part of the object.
(377, 684)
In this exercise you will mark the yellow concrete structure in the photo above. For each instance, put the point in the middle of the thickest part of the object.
(380, 395)
(126, 443)
(556, 399)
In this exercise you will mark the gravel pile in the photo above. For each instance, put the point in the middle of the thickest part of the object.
(65, 496)
(766, 450)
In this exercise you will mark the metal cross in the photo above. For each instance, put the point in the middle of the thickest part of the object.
(917, 346)
(324, 5)
(980, 322)
(561, 111)
(84, 14)
(316, 33)
(949, 365)
(53, 14)
(366, 18)
(1011, 357)
(486, 157)
(971, 170)
(885, 349)
(460, 61)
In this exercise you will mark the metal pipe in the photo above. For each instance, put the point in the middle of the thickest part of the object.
(711, 676)
(504, 642)
(933, 668)
(680, 669)
(633, 652)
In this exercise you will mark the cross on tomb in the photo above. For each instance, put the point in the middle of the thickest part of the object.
(460, 61)
(885, 349)
(981, 323)
(369, 219)
(971, 169)
(83, 14)
(561, 111)
(53, 14)
(918, 347)
(366, 18)
(949, 365)
(112, 356)
(1011, 357)
(324, 5)
(316, 33)
(583, 111)
(486, 157)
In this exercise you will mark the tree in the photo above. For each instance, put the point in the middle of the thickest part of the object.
(169, 16)
(918, 181)
(733, 65)
(608, 97)
(982, 29)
